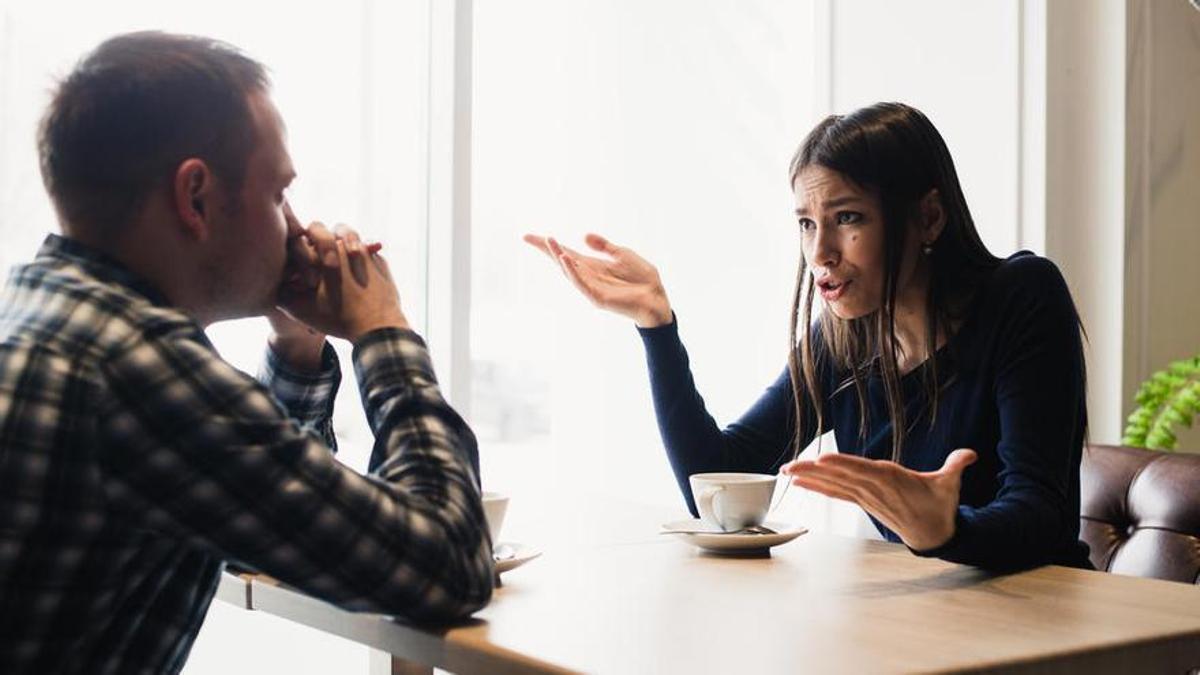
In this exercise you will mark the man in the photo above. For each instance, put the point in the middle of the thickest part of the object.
(133, 460)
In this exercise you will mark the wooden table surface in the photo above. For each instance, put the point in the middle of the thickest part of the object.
(610, 595)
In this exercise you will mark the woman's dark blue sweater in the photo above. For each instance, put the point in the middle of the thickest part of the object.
(1013, 391)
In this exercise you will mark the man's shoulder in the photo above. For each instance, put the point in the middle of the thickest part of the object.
(63, 308)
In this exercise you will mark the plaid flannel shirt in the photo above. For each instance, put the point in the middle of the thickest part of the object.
(134, 461)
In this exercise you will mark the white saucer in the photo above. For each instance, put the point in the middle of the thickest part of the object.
(521, 555)
(715, 540)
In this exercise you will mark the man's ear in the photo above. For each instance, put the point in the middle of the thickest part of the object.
(196, 196)
(933, 216)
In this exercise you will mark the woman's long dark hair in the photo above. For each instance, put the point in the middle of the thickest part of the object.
(894, 151)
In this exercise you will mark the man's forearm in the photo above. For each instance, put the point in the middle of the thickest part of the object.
(300, 352)
(307, 395)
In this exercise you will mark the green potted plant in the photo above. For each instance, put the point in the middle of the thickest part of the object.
(1167, 400)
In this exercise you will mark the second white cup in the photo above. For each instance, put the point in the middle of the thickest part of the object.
(495, 505)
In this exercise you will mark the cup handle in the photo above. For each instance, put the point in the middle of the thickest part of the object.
(704, 502)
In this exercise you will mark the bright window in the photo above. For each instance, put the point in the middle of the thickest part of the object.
(668, 127)
(351, 80)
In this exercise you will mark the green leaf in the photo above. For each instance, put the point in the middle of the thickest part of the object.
(1168, 399)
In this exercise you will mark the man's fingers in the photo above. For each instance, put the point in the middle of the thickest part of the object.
(349, 236)
(303, 261)
(325, 243)
(355, 252)
(381, 264)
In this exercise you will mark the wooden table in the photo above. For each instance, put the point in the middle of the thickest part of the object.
(616, 597)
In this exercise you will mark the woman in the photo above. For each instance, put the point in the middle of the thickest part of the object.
(930, 356)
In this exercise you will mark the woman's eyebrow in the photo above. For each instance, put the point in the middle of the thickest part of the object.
(831, 204)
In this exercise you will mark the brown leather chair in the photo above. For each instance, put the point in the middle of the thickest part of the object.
(1141, 512)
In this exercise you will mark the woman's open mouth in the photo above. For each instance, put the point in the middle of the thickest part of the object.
(832, 290)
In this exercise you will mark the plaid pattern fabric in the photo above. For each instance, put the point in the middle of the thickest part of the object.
(308, 397)
(134, 461)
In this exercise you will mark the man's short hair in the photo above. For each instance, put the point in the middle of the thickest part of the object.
(135, 108)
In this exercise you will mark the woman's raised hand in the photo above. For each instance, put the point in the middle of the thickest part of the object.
(623, 282)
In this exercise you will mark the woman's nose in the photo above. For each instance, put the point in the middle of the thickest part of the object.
(825, 249)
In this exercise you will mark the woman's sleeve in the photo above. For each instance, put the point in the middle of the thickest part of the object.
(1039, 388)
(759, 442)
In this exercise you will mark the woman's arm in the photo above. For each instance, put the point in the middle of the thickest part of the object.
(1039, 388)
(760, 441)
(624, 283)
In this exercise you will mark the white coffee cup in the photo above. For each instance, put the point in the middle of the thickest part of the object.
(495, 505)
(732, 501)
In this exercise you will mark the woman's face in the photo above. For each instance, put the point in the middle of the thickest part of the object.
(842, 232)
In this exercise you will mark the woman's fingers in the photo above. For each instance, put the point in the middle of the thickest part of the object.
(550, 246)
(579, 278)
(553, 248)
(582, 264)
(558, 249)
(538, 242)
(865, 498)
(620, 254)
(910, 503)
(824, 466)
(852, 481)
(599, 243)
(825, 487)
(872, 490)
(851, 462)
(566, 259)
(958, 461)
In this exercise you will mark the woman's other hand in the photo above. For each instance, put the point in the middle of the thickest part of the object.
(919, 506)
(623, 282)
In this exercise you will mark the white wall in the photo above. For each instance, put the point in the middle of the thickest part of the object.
(1162, 298)
(959, 63)
(1122, 162)
(1085, 174)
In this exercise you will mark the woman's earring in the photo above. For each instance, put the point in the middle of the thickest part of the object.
(927, 249)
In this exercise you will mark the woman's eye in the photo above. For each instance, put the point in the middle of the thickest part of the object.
(807, 225)
(848, 217)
